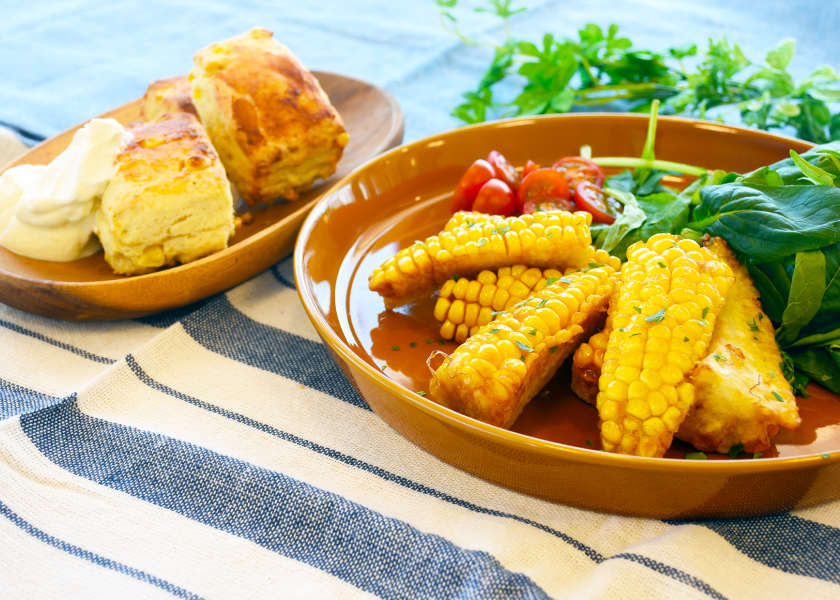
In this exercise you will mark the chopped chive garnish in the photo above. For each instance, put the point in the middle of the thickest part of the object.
(777, 396)
(705, 312)
(634, 334)
(771, 374)
(421, 393)
(395, 347)
(595, 265)
(638, 309)
(718, 357)
(588, 441)
(657, 316)
(541, 304)
(826, 455)
(430, 341)
(735, 450)
(413, 344)
(685, 339)
(696, 456)
(549, 234)
(552, 350)
(551, 281)
(495, 330)
(441, 342)
(757, 454)
(753, 326)
(524, 347)
(455, 276)
(384, 367)
(503, 229)
(661, 264)
(533, 332)
(481, 242)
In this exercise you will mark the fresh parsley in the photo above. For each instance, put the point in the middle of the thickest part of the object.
(696, 456)
(524, 347)
(657, 316)
(551, 281)
(705, 312)
(413, 344)
(777, 396)
(421, 393)
(552, 350)
(395, 347)
(494, 330)
(753, 325)
(481, 242)
(735, 450)
(718, 357)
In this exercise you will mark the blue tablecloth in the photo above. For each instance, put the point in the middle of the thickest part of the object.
(217, 452)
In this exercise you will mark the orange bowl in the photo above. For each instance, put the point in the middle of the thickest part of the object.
(402, 196)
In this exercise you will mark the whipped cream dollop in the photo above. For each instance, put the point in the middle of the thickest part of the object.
(49, 212)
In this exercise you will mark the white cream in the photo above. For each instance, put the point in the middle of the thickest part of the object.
(48, 213)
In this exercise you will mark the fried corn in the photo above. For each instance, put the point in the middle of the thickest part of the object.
(671, 293)
(507, 362)
(464, 305)
(473, 242)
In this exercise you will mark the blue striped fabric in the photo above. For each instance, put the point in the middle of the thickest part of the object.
(217, 451)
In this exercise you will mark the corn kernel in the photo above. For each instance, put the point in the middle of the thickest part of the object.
(671, 374)
(639, 409)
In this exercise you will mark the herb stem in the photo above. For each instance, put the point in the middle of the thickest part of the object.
(634, 163)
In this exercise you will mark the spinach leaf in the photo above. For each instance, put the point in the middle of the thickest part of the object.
(764, 175)
(666, 213)
(632, 217)
(767, 223)
(791, 174)
(774, 294)
(622, 182)
(826, 323)
(797, 379)
(807, 287)
(820, 364)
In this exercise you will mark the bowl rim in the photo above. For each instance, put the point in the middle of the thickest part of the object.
(495, 434)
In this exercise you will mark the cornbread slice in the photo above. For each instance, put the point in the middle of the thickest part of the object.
(171, 95)
(272, 124)
(169, 202)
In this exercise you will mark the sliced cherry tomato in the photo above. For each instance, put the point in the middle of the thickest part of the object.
(495, 198)
(529, 168)
(576, 168)
(504, 170)
(479, 173)
(592, 199)
(542, 182)
(547, 203)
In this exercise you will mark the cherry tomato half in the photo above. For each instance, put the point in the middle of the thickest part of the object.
(495, 198)
(592, 199)
(479, 173)
(576, 168)
(529, 168)
(504, 170)
(542, 182)
(546, 204)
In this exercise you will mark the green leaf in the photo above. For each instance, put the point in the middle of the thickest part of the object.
(819, 365)
(657, 316)
(632, 217)
(696, 456)
(523, 347)
(767, 223)
(797, 380)
(791, 174)
(825, 325)
(735, 450)
(807, 287)
(780, 55)
(765, 176)
(815, 174)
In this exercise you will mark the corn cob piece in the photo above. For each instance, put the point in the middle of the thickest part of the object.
(734, 384)
(473, 242)
(671, 293)
(507, 362)
(464, 305)
(742, 394)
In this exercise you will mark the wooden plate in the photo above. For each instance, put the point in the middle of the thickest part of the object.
(402, 196)
(87, 289)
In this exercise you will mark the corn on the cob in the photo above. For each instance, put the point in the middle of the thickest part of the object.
(473, 242)
(671, 293)
(464, 305)
(587, 363)
(508, 361)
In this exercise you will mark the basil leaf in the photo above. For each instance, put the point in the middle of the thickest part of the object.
(807, 288)
(768, 223)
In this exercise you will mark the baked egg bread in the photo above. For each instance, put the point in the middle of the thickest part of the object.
(169, 202)
(272, 124)
(171, 95)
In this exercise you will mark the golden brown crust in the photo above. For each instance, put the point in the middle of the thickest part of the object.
(273, 125)
(171, 95)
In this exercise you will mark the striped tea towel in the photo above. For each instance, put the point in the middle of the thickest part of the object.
(218, 452)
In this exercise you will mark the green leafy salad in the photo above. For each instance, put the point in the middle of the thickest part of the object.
(782, 221)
